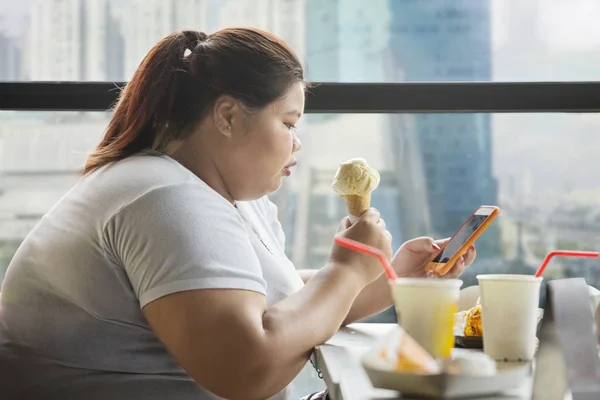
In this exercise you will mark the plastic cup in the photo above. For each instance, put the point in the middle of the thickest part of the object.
(509, 305)
(425, 308)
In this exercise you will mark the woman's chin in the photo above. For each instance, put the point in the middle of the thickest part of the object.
(277, 184)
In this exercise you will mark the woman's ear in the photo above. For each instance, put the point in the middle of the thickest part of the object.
(224, 111)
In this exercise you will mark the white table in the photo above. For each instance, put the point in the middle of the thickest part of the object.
(339, 362)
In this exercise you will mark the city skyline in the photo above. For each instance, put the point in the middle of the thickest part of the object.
(552, 24)
(536, 33)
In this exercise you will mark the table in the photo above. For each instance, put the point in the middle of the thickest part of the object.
(339, 361)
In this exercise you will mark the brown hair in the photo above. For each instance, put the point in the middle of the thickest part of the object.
(182, 76)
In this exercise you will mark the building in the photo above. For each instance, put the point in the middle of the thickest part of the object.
(145, 22)
(284, 18)
(449, 40)
(114, 49)
(55, 40)
(346, 40)
(68, 40)
(10, 58)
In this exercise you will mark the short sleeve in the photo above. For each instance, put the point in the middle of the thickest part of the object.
(272, 213)
(182, 237)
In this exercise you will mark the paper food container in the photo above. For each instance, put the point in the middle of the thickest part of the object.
(381, 372)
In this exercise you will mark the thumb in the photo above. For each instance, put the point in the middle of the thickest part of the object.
(371, 215)
(344, 224)
(347, 222)
(422, 244)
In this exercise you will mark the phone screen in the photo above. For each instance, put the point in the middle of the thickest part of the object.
(460, 237)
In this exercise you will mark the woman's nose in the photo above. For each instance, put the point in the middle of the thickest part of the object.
(297, 144)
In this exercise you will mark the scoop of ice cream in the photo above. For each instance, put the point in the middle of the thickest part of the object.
(355, 177)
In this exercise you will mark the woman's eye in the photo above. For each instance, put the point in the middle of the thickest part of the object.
(291, 127)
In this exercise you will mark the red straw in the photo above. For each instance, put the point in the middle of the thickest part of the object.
(363, 248)
(564, 253)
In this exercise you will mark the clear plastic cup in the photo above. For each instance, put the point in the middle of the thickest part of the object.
(425, 308)
(509, 310)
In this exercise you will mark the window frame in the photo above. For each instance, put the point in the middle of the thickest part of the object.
(345, 98)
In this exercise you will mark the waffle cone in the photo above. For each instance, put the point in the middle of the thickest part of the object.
(357, 205)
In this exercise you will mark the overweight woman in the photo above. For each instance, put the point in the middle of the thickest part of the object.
(162, 273)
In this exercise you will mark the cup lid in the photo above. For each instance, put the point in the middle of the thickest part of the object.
(428, 282)
(509, 278)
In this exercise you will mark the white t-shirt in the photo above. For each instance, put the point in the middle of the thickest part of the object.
(126, 235)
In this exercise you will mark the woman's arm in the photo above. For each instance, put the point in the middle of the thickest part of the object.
(307, 274)
(410, 260)
(235, 347)
(373, 299)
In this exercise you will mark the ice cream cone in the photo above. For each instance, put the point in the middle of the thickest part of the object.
(355, 180)
(357, 205)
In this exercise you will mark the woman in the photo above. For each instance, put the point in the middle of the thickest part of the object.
(162, 274)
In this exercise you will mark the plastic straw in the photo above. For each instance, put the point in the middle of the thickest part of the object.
(564, 253)
(363, 248)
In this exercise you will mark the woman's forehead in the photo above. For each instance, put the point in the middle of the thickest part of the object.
(292, 102)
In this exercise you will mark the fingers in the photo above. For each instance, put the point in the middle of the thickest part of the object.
(353, 219)
(346, 223)
(371, 215)
(422, 244)
(462, 263)
(442, 242)
(470, 255)
(457, 269)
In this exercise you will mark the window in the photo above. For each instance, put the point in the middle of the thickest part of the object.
(547, 186)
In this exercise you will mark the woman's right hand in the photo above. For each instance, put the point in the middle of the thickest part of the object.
(369, 229)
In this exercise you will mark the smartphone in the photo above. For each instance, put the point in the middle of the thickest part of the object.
(464, 238)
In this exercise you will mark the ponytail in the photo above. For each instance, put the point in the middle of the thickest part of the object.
(150, 101)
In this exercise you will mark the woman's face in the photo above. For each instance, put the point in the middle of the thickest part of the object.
(259, 151)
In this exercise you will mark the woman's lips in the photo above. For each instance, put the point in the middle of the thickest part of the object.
(287, 170)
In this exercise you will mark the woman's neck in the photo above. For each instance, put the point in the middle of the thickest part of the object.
(203, 167)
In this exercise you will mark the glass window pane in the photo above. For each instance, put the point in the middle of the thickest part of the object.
(436, 169)
(340, 40)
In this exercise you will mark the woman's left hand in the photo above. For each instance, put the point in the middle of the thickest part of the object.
(413, 256)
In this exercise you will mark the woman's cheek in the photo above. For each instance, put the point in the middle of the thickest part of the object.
(285, 145)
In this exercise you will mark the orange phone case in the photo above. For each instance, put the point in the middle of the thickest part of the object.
(442, 268)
